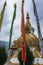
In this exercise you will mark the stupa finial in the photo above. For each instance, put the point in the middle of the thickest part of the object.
(27, 17)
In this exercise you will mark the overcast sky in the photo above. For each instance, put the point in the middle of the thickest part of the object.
(7, 20)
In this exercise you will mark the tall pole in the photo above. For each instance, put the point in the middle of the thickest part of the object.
(38, 28)
(2, 15)
(11, 30)
(37, 20)
(23, 35)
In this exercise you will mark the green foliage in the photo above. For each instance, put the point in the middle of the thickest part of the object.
(29, 57)
(3, 55)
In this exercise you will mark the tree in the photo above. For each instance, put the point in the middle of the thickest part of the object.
(29, 57)
(3, 55)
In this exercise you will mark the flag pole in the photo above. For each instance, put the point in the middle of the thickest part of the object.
(14, 16)
(11, 30)
(2, 15)
(23, 35)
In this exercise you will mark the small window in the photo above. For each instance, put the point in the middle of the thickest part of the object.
(27, 31)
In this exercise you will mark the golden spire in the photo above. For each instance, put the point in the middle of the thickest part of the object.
(28, 25)
(27, 20)
(27, 17)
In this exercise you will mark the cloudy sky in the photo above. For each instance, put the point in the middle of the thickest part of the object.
(28, 7)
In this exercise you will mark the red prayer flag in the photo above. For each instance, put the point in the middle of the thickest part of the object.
(23, 35)
(24, 53)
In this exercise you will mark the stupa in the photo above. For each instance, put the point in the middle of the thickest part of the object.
(31, 40)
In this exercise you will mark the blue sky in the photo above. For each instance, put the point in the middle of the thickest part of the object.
(28, 7)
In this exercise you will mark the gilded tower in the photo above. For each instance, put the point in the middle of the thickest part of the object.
(31, 38)
(28, 27)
